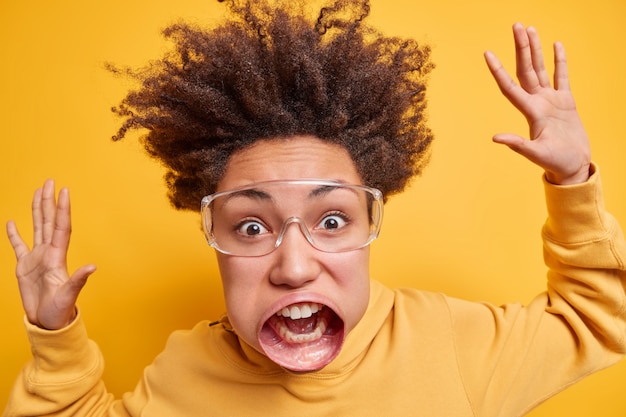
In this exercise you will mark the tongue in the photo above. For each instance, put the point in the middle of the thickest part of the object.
(322, 335)
(302, 326)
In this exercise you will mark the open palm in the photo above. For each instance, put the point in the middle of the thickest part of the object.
(558, 141)
(48, 292)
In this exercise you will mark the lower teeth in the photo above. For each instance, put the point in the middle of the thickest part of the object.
(292, 337)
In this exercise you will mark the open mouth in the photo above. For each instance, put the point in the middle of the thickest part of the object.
(303, 336)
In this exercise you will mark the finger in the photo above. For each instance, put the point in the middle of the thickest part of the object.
(537, 57)
(64, 307)
(37, 218)
(509, 88)
(48, 208)
(19, 247)
(524, 147)
(561, 76)
(523, 59)
(62, 223)
(79, 277)
(75, 284)
(514, 142)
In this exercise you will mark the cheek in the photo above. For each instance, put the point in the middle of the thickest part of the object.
(353, 267)
(242, 281)
(352, 277)
(345, 279)
(240, 275)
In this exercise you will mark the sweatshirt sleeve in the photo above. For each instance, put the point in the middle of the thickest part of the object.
(514, 357)
(63, 378)
(585, 251)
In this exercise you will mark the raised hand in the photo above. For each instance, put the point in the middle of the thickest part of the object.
(558, 141)
(48, 292)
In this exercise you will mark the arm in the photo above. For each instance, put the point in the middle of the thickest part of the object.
(64, 376)
(514, 357)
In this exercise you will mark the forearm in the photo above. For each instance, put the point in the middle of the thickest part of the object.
(585, 250)
(63, 378)
(513, 357)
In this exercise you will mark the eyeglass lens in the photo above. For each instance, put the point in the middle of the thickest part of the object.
(255, 220)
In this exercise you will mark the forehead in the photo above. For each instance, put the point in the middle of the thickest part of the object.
(282, 192)
(298, 157)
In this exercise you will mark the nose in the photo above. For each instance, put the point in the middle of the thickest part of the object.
(297, 260)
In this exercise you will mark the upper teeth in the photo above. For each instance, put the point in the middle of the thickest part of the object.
(300, 311)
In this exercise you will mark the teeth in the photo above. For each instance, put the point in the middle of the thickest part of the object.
(305, 311)
(295, 313)
(291, 337)
(300, 311)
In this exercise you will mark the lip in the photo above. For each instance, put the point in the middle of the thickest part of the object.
(305, 357)
(301, 297)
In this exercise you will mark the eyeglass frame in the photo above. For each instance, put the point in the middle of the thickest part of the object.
(377, 202)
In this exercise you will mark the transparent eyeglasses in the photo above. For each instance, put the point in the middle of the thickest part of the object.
(253, 220)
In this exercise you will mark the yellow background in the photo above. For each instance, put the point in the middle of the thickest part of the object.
(469, 227)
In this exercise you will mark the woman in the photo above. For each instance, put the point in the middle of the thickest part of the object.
(292, 140)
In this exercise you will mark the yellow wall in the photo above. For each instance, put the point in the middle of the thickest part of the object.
(468, 227)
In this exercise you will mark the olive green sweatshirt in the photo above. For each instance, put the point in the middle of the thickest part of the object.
(413, 353)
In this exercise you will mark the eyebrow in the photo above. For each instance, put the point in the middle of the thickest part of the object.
(257, 194)
(324, 190)
(252, 193)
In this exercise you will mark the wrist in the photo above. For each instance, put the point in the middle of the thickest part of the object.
(580, 176)
(54, 324)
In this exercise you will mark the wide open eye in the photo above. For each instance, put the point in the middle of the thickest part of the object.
(251, 228)
(333, 222)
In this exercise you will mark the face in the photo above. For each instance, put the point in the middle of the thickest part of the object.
(295, 304)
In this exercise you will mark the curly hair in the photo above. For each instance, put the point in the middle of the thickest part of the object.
(269, 73)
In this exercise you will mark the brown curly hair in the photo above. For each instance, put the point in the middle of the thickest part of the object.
(267, 73)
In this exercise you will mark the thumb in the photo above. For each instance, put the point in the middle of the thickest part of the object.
(62, 311)
(78, 280)
(72, 287)
(513, 141)
(526, 148)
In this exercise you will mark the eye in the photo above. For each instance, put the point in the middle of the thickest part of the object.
(251, 228)
(333, 222)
